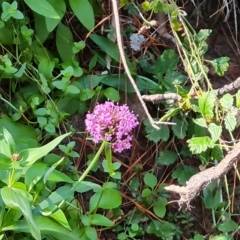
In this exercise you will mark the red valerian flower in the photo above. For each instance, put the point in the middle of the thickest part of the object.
(111, 123)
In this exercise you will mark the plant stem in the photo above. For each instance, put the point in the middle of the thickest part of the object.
(91, 165)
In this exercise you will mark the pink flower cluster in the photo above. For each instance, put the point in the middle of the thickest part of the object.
(112, 123)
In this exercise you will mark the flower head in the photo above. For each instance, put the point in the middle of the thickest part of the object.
(112, 123)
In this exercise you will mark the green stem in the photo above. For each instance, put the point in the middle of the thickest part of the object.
(93, 162)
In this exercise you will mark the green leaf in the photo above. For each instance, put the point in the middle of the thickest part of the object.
(31, 155)
(60, 194)
(183, 174)
(64, 41)
(215, 131)
(106, 46)
(159, 208)
(180, 129)
(167, 157)
(227, 102)
(42, 7)
(206, 104)
(72, 89)
(238, 99)
(111, 94)
(100, 220)
(106, 199)
(5, 162)
(24, 136)
(230, 122)
(18, 199)
(201, 122)
(146, 192)
(91, 233)
(60, 7)
(84, 12)
(220, 65)
(60, 218)
(150, 180)
(198, 145)
(47, 226)
(202, 35)
(228, 226)
(156, 135)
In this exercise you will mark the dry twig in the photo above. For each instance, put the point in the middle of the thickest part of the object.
(202, 179)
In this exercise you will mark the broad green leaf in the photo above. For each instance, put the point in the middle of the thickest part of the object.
(84, 12)
(167, 157)
(42, 7)
(60, 7)
(100, 220)
(228, 226)
(24, 136)
(5, 161)
(9, 140)
(91, 233)
(212, 196)
(21, 200)
(72, 89)
(201, 122)
(60, 218)
(215, 131)
(34, 174)
(46, 67)
(111, 94)
(230, 122)
(180, 128)
(159, 208)
(84, 186)
(86, 94)
(206, 104)
(106, 199)
(198, 145)
(220, 65)
(227, 102)
(150, 180)
(31, 155)
(106, 46)
(60, 194)
(46, 225)
(64, 41)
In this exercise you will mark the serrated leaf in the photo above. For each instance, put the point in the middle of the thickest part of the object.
(84, 12)
(183, 174)
(150, 180)
(180, 128)
(227, 102)
(198, 145)
(156, 135)
(202, 35)
(220, 65)
(228, 226)
(215, 131)
(230, 122)
(206, 104)
(167, 157)
(201, 122)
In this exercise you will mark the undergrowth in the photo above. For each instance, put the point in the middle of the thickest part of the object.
(59, 61)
